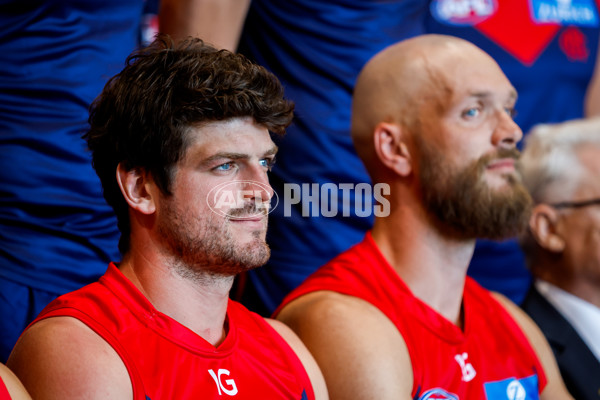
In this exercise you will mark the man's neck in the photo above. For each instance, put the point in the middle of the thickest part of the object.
(198, 304)
(560, 274)
(433, 265)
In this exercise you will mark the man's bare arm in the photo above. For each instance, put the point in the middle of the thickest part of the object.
(360, 352)
(592, 96)
(61, 358)
(218, 22)
(312, 369)
(555, 389)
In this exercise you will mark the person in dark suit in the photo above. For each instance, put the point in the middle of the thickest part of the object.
(561, 166)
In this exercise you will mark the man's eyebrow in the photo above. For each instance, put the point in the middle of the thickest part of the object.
(236, 156)
(272, 151)
(486, 94)
(226, 155)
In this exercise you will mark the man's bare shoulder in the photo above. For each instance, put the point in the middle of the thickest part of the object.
(324, 306)
(360, 351)
(312, 369)
(62, 358)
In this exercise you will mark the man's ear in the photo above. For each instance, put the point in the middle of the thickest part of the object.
(543, 226)
(391, 149)
(137, 188)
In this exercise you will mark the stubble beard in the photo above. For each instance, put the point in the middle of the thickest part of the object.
(466, 204)
(203, 247)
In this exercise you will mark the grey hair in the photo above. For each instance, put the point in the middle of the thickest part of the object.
(550, 166)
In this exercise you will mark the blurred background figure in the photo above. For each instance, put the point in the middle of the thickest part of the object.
(561, 169)
(56, 231)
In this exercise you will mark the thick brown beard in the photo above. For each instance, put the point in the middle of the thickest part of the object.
(463, 202)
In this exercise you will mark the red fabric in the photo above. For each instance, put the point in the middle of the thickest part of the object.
(4, 391)
(496, 347)
(166, 360)
(511, 24)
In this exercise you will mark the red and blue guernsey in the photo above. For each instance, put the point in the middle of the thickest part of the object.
(490, 359)
(166, 360)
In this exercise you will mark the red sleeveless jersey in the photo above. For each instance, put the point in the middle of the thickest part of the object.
(166, 360)
(490, 359)
(4, 395)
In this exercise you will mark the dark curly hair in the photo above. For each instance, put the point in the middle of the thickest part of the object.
(141, 117)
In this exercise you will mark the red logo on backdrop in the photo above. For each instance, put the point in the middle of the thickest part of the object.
(515, 31)
(524, 28)
(573, 43)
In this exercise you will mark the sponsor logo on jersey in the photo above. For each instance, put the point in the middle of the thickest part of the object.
(513, 389)
(467, 370)
(565, 12)
(226, 386)
(438, 394)
(463, 12)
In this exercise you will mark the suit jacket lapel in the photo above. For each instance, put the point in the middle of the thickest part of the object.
(578, 365)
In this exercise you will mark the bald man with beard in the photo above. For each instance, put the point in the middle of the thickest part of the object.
(396, 317)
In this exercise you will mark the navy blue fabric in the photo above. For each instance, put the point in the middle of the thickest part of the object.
(19, 305)
(56, 231)
(317, 48)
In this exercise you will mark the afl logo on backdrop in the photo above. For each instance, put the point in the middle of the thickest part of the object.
(463, 12)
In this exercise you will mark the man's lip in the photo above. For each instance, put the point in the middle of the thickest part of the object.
(501, 163)
(253, 218)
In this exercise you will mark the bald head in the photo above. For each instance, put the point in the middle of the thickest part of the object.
(404, 80)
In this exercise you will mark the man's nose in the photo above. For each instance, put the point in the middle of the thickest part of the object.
(506, 133)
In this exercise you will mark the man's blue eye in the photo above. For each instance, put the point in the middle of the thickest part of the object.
(224, 167)
(471, 112)
(511, 112)
(267, 163)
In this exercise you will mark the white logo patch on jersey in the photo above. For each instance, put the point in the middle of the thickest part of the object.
(230, 389)
(468, 372)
